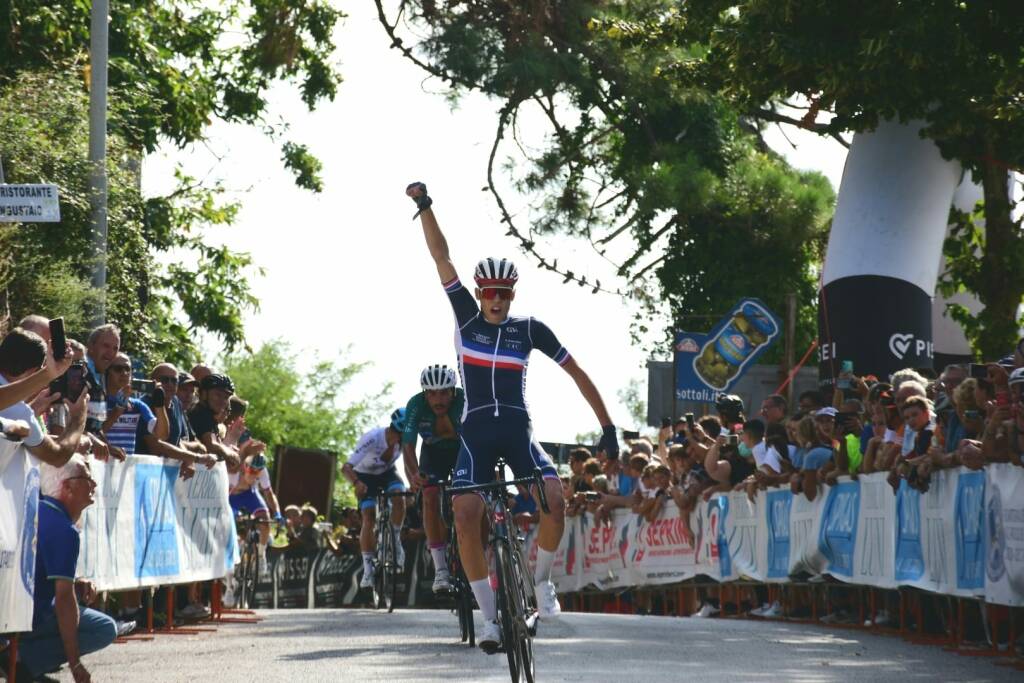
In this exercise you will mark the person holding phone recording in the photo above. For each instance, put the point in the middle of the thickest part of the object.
(493, 349)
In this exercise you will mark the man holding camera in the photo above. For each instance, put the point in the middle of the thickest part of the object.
(27, 361)
(493, 351)
(435, 415)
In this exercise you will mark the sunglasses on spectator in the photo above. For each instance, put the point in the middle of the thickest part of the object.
(167, 379)
(121, 368)
(87, 477)
(503, 293)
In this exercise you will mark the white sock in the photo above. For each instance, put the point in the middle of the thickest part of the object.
(440, 558)
(545, 558)
(397, 528)
(485, 598)
(367, 563)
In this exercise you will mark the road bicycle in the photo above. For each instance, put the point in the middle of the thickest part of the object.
(247, 571)
(461, 593)
(386, 571)
(517, 609)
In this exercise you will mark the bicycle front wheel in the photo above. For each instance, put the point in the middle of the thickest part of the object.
(526, 604)
(251, 576)
(509, 613)
(386, 570)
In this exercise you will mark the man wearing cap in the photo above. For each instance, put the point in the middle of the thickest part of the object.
(214, 393)
(187, 386)
(178, 444)
(730, 412)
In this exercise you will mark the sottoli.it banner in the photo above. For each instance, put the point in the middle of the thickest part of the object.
(965, 537)
(149, 527)
(19, 502)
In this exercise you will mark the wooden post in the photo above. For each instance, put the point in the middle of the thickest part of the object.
(790, 349)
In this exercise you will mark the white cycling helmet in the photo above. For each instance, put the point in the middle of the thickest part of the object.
(437, 377)
(496, 272)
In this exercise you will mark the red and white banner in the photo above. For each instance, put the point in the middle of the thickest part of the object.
(965, 537)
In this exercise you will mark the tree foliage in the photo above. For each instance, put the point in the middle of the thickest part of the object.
(667, 94)
(958, 66)
(175, 67)
(313, 408)
(663, 177)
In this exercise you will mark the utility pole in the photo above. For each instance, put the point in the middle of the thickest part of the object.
(98, 149)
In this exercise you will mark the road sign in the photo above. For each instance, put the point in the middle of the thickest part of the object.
(29, 204)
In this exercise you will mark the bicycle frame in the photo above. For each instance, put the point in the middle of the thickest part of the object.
(517, 616)
(385, 579)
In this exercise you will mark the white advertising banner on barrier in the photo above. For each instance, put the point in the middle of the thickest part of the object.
(1004, 522)
(148, 527)
(19, 502)
(964, 537)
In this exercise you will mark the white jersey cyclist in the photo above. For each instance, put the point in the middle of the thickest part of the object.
(373, 455)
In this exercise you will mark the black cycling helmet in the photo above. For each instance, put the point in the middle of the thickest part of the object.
(217, 382)
(729, 403)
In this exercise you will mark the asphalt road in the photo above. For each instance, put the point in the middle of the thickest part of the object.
(419, 645)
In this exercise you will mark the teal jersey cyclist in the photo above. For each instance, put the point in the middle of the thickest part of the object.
(435, 415)
(494, 349)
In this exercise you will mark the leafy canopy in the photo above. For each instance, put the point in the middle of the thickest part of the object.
(663, 177)
(290, 406)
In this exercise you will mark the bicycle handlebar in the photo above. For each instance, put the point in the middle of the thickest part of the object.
(537, 478)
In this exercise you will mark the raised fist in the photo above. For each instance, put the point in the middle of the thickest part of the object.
(418, 192)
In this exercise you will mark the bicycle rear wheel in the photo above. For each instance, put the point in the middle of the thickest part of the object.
(508, 614)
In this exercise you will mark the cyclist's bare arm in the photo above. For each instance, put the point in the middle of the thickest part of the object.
(589, 391)
(438, 246)
(436, 243)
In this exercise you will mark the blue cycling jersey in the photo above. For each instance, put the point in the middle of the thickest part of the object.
(493, 358)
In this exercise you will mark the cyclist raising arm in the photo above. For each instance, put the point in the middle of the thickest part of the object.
(250, 492)
(434, 414)
(493, 351)
(371, 469)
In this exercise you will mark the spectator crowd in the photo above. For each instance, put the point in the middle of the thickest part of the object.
(909, 427)
(84, 403)
(74, 406)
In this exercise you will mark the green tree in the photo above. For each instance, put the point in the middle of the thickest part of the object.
(305, 409)
(958, 66)
(175, 67)
(665, 176)
(632, 397)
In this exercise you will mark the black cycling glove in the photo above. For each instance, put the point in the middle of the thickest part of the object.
(423, 201)
(609, 442)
